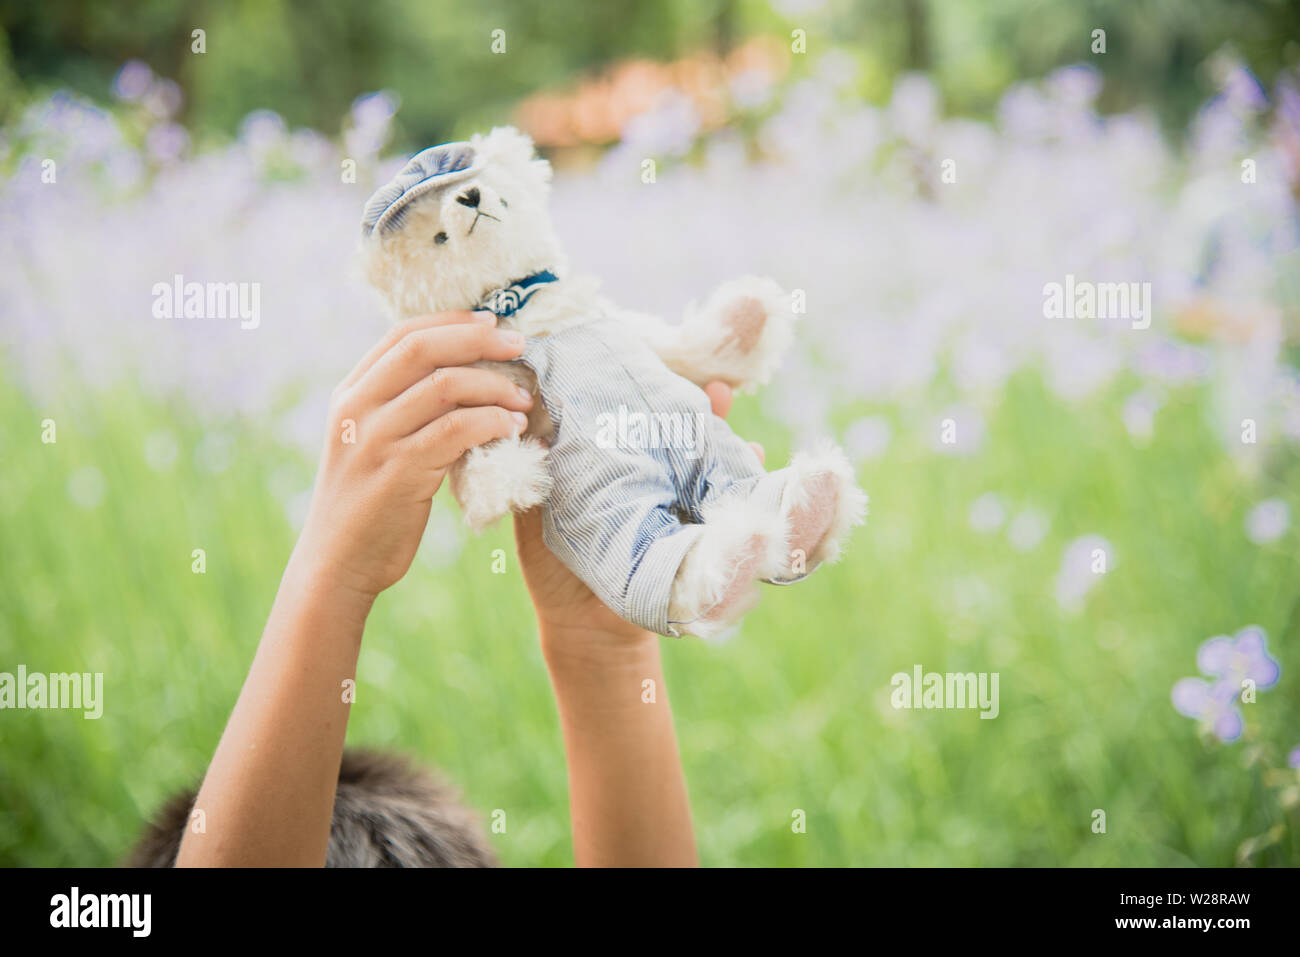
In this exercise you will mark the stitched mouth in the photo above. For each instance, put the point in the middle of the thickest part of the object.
(477, 214)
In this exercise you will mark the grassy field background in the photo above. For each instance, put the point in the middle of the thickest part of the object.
(918, 183)
(793, 713)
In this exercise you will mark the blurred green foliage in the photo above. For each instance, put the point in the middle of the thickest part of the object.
(308, 61)
(792, 714)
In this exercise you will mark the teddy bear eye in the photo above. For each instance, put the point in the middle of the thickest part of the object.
(504, 204)
(439, 239)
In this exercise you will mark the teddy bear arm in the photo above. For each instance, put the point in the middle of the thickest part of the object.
(671, 344)
(738, 337)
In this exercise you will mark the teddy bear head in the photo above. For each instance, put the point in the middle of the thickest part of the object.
(459, 222)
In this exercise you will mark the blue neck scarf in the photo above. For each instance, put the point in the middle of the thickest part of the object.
(508, 300)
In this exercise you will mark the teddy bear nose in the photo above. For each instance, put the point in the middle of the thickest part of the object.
(469, 198)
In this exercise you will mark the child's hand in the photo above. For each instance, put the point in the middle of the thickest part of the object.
(399, 420)
(567, 612)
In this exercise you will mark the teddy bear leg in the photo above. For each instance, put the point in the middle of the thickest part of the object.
(502, 476)
(717, 582)
(820, 504)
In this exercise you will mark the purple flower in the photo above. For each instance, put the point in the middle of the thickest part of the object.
(1244, 656)
(1140, 414)
(1242, 89)
(751, 89)
(1230, 662)
(914, 107)
(262, 129)
(166, 142)
(669, 128)
(374, 109)
(868, 437)
(1024, 112)
(797, 8)
(163, 98)
(1076, 85)
(132, 80)
(371, 123)
(1172, 363)
(1213, 705)
(1293, 759)
(838, 68)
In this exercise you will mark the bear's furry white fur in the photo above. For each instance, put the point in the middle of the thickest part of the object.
(446, 256)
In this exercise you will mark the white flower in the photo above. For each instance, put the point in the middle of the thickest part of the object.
(1268, 521)
(1085, 562)
(86, 487)
(160, 451)
(1027, 529)
(987, 513)
(868, 437)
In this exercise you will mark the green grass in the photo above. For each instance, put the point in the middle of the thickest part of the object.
(793, 713)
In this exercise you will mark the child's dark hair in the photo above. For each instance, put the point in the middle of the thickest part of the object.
(387, 813)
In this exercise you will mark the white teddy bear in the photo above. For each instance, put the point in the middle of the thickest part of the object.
(654, 503)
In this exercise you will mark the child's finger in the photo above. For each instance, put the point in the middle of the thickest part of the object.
(449, 388)
(397, 332)
(419, 353)
(720, 398)
(448, 437)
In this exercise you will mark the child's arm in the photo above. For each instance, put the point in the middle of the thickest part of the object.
(627, 793)
(395, 428)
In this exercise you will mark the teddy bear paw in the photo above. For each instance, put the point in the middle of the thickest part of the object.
(821, 503)
(747, 325)
(493, 480)
(717, 582)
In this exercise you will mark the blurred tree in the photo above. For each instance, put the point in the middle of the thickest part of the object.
(308, 61)
(1156, 50)
(917, 24)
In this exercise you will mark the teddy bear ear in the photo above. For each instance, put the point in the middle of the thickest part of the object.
(509, 146)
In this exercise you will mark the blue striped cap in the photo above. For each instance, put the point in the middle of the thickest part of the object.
(431, 169)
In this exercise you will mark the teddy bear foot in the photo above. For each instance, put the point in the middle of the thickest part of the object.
(820, 505)
(717, 582)
(503, 476)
